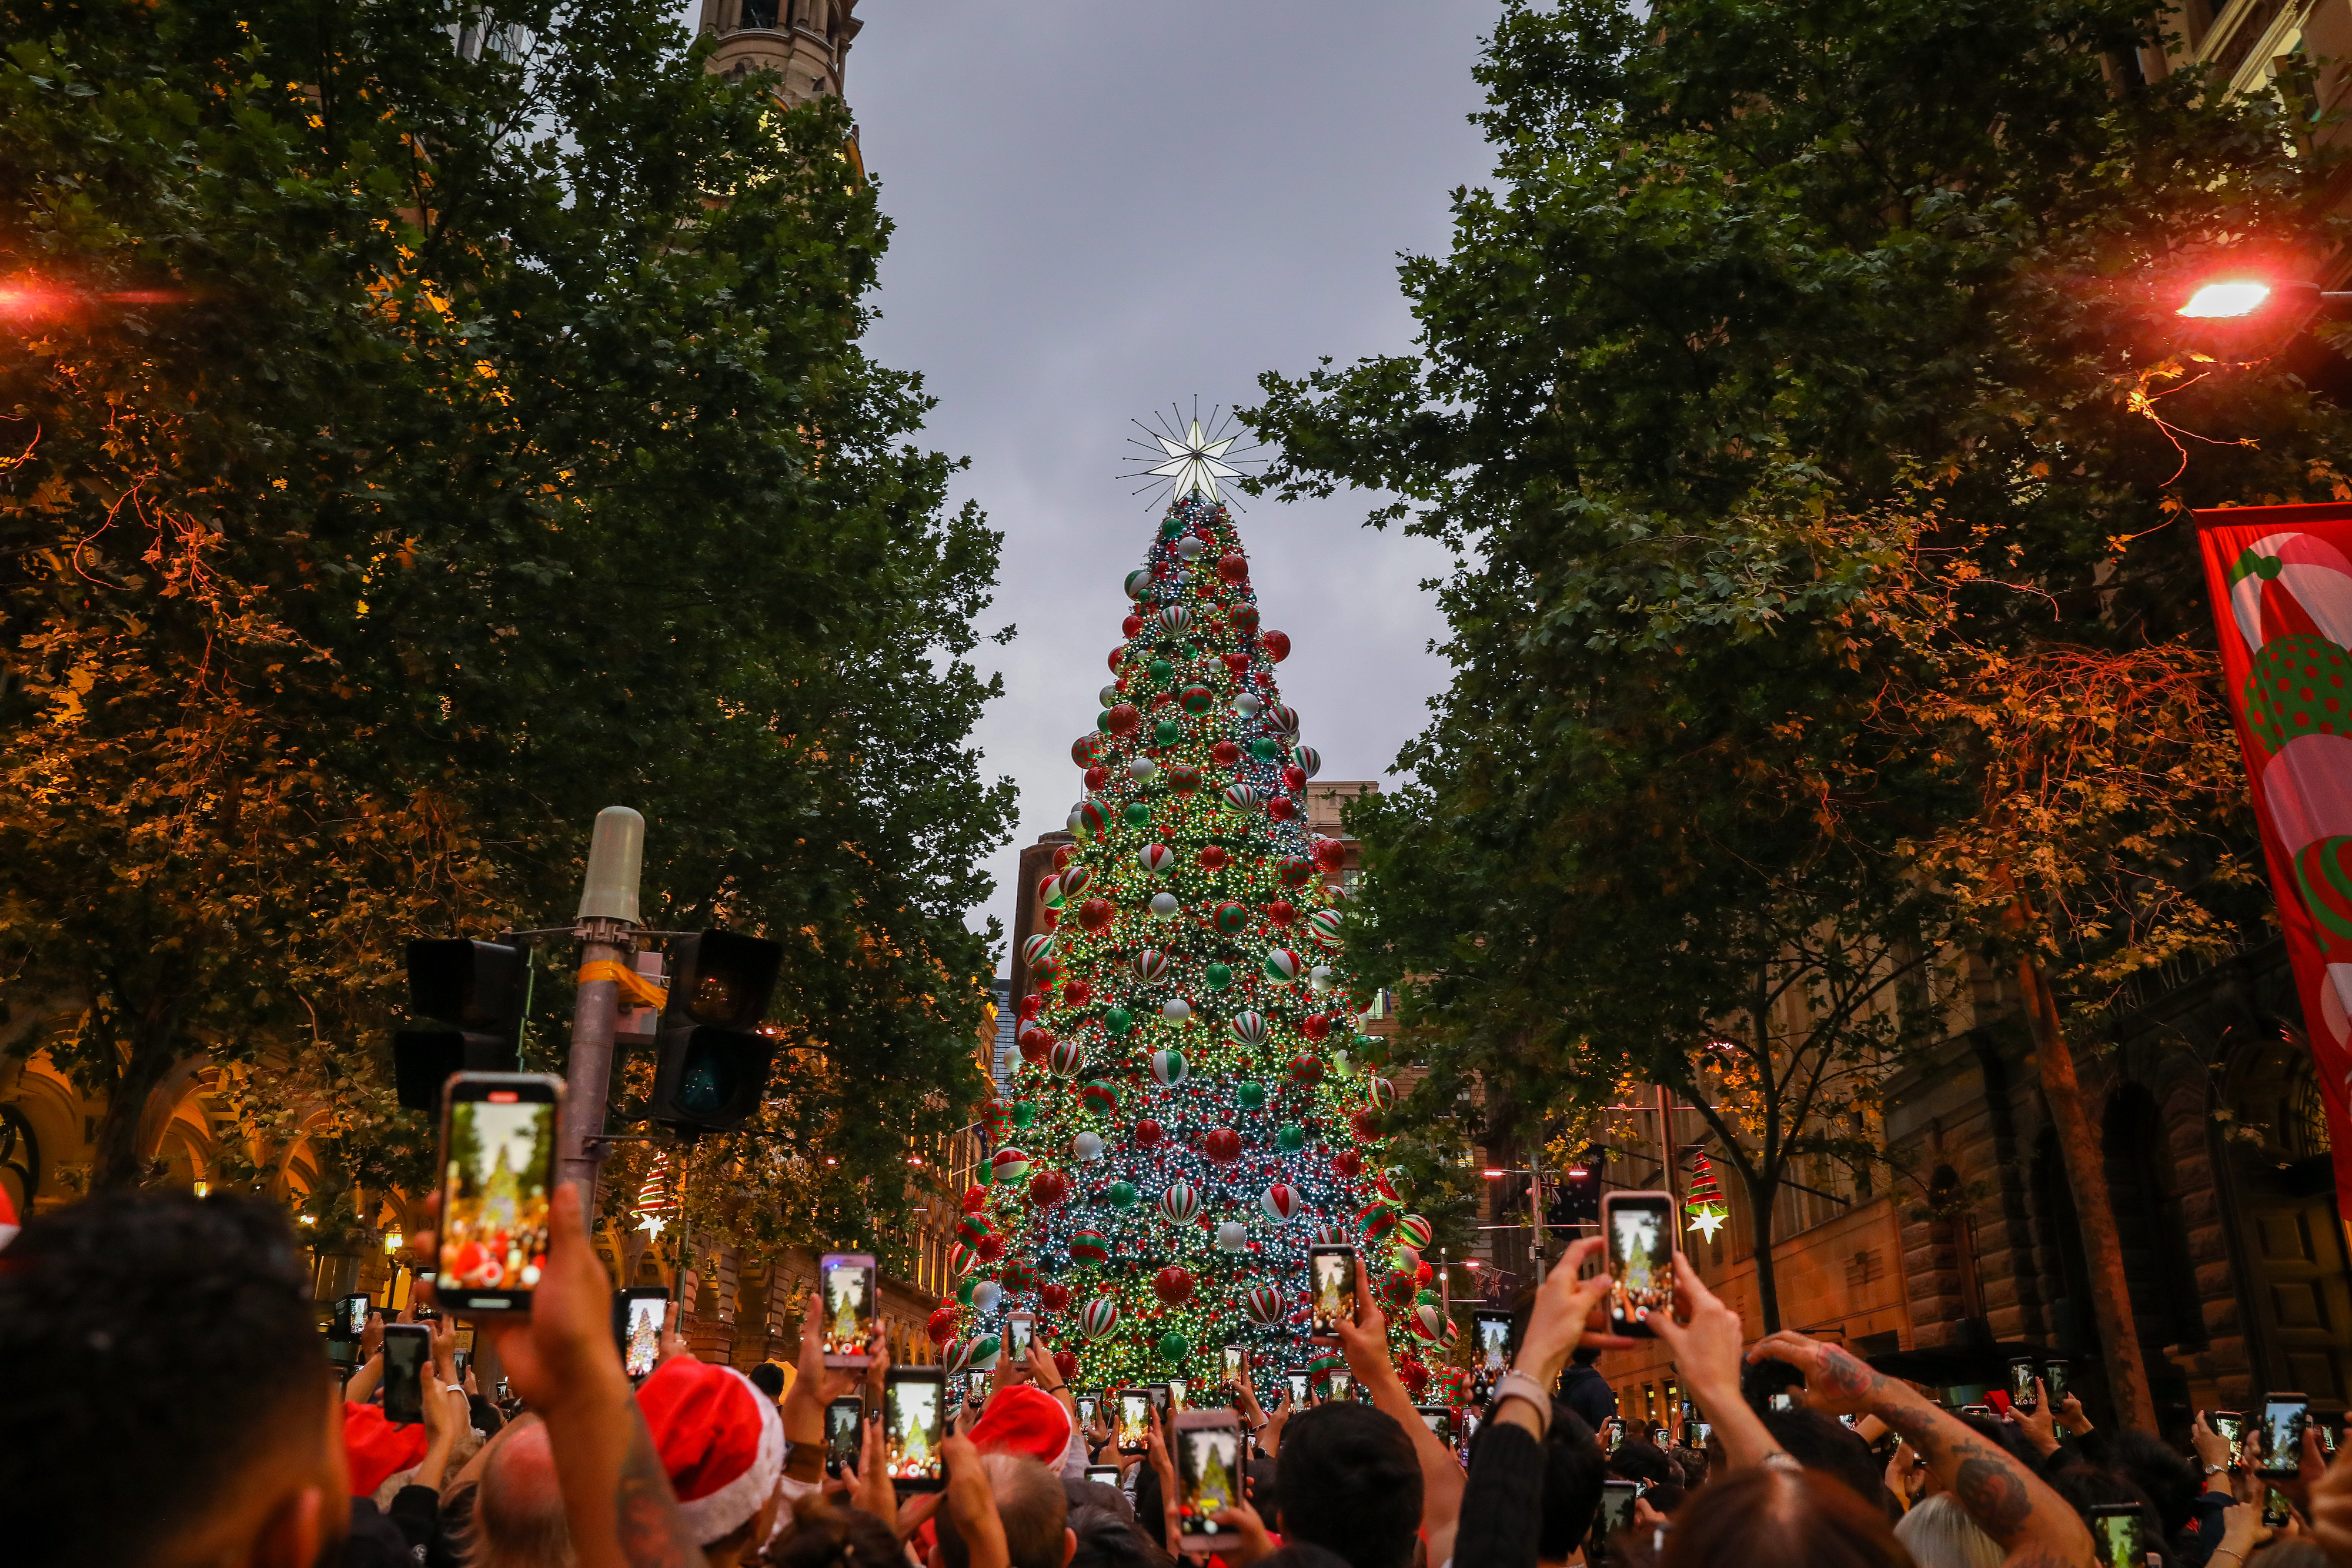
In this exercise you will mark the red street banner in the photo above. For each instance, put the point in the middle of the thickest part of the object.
(2281, 583)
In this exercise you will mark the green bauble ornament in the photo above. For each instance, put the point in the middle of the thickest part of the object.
(1102, 720)
(1116, 1021)
(1250, 1095)
(1290, 1139)
(1218, 976)
(1266, 747)
(1168, 732)
(1161, 670)
(1121, 1195)
(964, 1289)
(983, 1173)
(1426, 1299)
(1023, 1113)
(1137, 814)
(1174, 1347)
(1170, 526)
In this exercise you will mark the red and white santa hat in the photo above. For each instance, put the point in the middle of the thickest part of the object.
(720, 1438)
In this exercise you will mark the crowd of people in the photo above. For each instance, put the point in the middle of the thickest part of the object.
(165, 1402)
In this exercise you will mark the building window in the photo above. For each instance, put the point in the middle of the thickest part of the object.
(757, 14)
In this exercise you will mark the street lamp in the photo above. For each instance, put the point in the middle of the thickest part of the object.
(2252, 315)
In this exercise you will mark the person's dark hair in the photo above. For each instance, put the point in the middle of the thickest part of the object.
(1265, 1490)
(1821, 1442)
(2170, 1478)
(1585, 1354)
(151, 1347)
(2007, 1436)
(1765, 1517)
(823, 1535)
(1640, 1460)
(1350, 1484)
(2086, 1487)
(1109, 1538)
(768, 1378)
(1032, 1506)
(1571, 1483)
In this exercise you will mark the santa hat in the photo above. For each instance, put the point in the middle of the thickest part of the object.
(720, 1438)
(1023, 1419)
(8, 1226)
(374, 1448)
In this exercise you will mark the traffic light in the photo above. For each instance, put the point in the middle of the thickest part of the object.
(1576, 1194)
(478, 992)
(714, 1063)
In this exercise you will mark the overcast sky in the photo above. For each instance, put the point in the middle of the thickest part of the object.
(1105, 206)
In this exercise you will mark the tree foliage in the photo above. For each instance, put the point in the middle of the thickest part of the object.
(413, 449)
(1804, 407)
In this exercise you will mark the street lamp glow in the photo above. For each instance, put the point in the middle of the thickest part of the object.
(1491, 1175)
(2225, 301)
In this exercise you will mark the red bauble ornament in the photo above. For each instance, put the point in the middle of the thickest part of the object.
(1367, 1123)
(1077, 994)
(1046, 884)
(1047, 1188)
(1147, 1133)
(1049, 919)
(1307, 1069)
(1226, 752)
(1415, 1376)
(975, 1199)
(1036, 1044)
(1117, 656)
(1398, 1289)
(1098, 779)
(1053, 1296)
(1065, 1362)
(1276, 646)
(1315, 1026)
(1130, 626)
(1126, 718)
(941, 1327)
(1238, 664)
(1281, 911)
(1349, 1164)
(1032, 1005)
(1097, 912)
(1064, 856)
(1293, 778)
(1223, 1145)
(1213, 856)
(1282, 808)
(1243, 617)
(1423, 1275)
(1233, 568)
(1172, 1285)
(990, 1247)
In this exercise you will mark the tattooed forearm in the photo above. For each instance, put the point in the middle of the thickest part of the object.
(653, 1534)
(1993, 1492)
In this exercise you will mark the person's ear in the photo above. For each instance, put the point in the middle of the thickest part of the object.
(1069, 1546)
(291, 1537)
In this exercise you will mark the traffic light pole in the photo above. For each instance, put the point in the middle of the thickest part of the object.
(606, 929)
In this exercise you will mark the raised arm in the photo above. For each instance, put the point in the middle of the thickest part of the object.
(2032, 1523)
(1365, 1344)
(1707, 1343)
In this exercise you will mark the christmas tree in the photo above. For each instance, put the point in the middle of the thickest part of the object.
(1195, 1103)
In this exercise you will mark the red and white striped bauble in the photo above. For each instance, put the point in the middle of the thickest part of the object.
(1264, 1305)
(1281, 1202)
(1156, 859)
(1179, 1201)
(1249, 1029)
(1150, 965)
(1099, 1317)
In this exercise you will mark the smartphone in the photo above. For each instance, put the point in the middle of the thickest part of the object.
(506, 1390)
(1163, 1400)
(1020, 1328)
(498, 1171)
(1785, 1400)
(1342, 1384)
(1178, 1396)
(2327, 1439)
(2118, 1535)
(407, 1351)
(1208, 1457)
(914, 1427)
(1134, 1421)
(2274, 1508)
(1331, 1277)
(2053, 1382)
(1491, 1341)
(847, 1279)
(1236, 1365)
(845, 1434)
(1640, 1227)
(2285, 1416)
(351, 1317)
(462, 1361)
(1438, 1420)
(1086, 1409)
(976, 1387)
(2232, 1424)
(1300, 1391)
(1697, 1433)
(1616, 1508)
(639, 1315)
(2020, 1384)
(1106, 1474)
(1660, 1438)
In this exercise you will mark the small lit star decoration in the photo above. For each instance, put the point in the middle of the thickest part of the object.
(654, 1205)
(1185, 457)
(1704, 1208)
